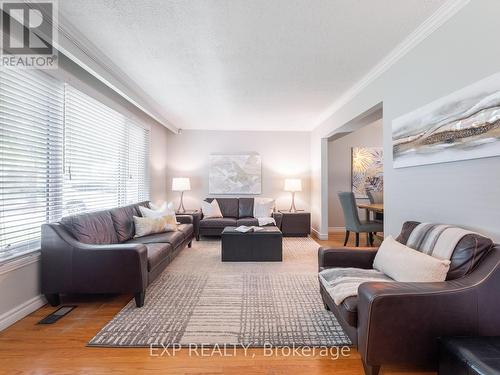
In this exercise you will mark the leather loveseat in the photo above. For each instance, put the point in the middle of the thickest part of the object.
(401, 322)
(235, 212)
(97, 253)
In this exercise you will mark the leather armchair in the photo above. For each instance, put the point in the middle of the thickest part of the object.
(400, 323)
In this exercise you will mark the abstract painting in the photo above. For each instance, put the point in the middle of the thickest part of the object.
(367, 170)
(235, 174)
(463, 125)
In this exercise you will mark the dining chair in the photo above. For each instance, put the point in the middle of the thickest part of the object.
(352, 221)
(376, 197)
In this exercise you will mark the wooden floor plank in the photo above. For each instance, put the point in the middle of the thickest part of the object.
(28, 348)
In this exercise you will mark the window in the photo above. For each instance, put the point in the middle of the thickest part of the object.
(31, 131)
(62, 152)
(105, 156)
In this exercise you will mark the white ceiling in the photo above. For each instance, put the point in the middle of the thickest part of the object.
(245, 64)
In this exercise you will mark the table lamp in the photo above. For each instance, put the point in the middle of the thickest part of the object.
(293, 185)
(181, 184)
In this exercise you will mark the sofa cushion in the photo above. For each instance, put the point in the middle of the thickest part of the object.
(91, 228)
(187, 230)
(468, 252)
(218, 222)
(228, 206)
(173, 238)
(248, 221)
(245, 207)
(157, 253)
(123, 221)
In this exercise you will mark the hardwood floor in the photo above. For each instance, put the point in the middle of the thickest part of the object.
(27, 348)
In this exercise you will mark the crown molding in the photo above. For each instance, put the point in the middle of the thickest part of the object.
(82, 52)
(431, 24)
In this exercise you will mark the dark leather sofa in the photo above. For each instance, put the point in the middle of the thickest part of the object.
(96, 253)
(401, 323)
(235, 212)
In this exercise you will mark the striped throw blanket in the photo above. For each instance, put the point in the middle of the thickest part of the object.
(436, 240)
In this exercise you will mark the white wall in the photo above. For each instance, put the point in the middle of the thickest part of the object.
(462, 51)
(284, 154)
(339, 167)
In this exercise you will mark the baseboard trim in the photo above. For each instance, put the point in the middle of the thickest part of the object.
(336, 229)
(318, 235)
(19, 312)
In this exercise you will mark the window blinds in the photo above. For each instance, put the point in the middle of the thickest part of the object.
(105, 156)
(62, 152)
(31, 119)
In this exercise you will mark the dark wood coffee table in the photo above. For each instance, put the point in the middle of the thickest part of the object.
(262, 246)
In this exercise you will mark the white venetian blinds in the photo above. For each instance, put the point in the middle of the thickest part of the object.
(31, 143)
(62, 152)
(105, 156)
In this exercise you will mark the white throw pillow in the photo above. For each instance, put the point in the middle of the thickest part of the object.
(150, 225)
(402, 263)
(211, 210)
(263, 207)
(162, 207)
(154, 213)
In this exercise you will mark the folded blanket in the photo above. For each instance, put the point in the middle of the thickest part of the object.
(341, 283)
(266, 221)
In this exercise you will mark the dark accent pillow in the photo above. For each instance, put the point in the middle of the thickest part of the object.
(466, 256)
(91, 228)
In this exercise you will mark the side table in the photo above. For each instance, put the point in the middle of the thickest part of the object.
(196, 215)
(296, 224)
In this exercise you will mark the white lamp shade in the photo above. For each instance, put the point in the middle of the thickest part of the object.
(181, 184)
(293, 184)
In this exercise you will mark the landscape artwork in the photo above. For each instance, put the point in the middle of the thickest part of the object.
(367, 171)
(235, 174)
(463, 125)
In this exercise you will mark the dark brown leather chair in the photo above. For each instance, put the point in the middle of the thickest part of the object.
(97, 253)
(400, 323)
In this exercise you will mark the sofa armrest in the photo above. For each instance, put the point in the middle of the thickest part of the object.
(72, 266)
(401, 322)
(357, 257)
(278, 217)
(184, 219)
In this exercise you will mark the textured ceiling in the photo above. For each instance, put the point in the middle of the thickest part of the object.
(245, 64)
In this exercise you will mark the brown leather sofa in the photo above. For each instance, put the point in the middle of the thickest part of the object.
(96, 253)
(400, 323)
(235, 212)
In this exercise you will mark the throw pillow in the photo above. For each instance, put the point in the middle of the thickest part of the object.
(402, 263)
(263, 207)
(162, 207)
(148, 225)
(211, 210)
(163, 210)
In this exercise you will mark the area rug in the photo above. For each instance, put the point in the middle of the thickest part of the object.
(200, 300)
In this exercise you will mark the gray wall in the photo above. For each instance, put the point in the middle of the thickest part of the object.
(462, 51)
(339, 167)
(284, 154)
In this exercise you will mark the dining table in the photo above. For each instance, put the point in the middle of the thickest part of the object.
(371, 207)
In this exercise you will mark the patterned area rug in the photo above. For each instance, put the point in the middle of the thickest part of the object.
(200, 300)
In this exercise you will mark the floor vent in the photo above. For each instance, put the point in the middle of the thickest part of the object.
(56, 315)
